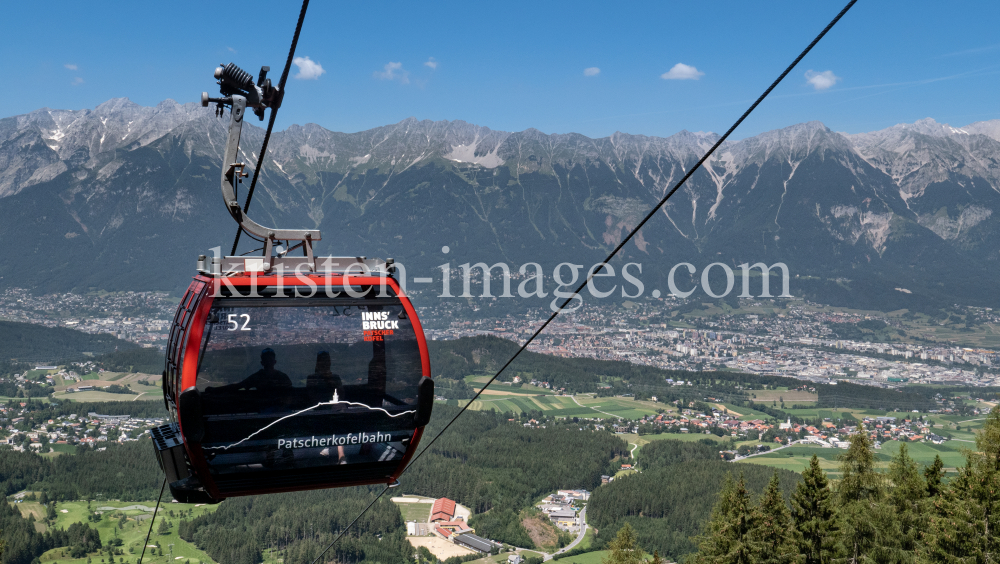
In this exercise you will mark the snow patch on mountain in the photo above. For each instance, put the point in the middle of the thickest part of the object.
(463, 153)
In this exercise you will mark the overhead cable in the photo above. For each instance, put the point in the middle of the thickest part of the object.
(153, 520)
(270, 121)
(612, 254)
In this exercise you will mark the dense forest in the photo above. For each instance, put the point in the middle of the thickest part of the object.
(27, 342)
(142, 360)
(660, 454)
(22, 544)
(669, 501)
(126, 471)
(484, 460)
(845, 394)
(299, 525)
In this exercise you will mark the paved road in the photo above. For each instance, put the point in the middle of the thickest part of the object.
(793, 443)
(579, 537)
(594, 408)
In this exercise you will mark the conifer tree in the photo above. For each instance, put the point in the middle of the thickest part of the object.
(860, 481)
(774, 526)
(868, 529)
(906, 496)
(814, 516)
(933, 475)
(729, 536)
(624, 550)
(965, 525)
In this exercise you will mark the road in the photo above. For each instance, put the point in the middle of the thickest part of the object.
(579, 537)
(595, 408)
(793, 443)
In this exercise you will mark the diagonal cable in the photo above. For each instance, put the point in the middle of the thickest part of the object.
(151, 521)
(610, 256)
(270, 121)
(635, 230)
(348, 527)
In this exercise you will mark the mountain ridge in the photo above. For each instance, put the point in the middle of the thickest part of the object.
(909, 205)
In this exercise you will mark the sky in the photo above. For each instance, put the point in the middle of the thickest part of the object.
(650, 68)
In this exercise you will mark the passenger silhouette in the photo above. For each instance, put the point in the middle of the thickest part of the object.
(323, 381)
(267, 378)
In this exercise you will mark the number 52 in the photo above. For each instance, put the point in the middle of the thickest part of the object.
(234, 325)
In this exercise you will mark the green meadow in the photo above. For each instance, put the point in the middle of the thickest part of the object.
(585, 406)
(132, 530)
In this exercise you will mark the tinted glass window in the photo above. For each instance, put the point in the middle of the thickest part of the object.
(300, 383)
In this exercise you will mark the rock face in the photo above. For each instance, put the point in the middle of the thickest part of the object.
(125, 196)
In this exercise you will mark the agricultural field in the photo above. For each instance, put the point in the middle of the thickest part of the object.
(32, 375)
(743, 413)
(796, 458)
(414, 511)
(106, 396)
(131, 380)
(585, 406)
(6, 399)
(596, 557)
(643, 440)
(477, 382)
(133, 530)
(790, 397)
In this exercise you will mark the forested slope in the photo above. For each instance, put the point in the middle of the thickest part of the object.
(36, 343)
(300, 525)
(128, 472)
(672, 498)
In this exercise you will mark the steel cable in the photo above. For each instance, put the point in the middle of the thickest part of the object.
(610, 256)
(635, 230)
(270, 120)
(153, 519)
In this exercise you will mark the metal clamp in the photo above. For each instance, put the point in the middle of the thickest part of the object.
(232, 171)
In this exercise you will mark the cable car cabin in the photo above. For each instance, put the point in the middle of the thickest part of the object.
(291, 382)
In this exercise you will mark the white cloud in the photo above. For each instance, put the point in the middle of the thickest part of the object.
(431, 63)
(680, 71)
(231, 50)
(592, 71)
(394, 71)
(70, 66)
(308, 68)
(77, 81)
(821, 80)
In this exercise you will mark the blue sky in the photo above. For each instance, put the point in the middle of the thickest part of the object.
(515, 65)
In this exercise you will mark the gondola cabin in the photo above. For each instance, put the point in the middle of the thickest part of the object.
(283, 382)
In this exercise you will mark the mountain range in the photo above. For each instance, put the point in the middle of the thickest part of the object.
(125, 197)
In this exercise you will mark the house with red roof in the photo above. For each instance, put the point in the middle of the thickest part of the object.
(443, 510)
